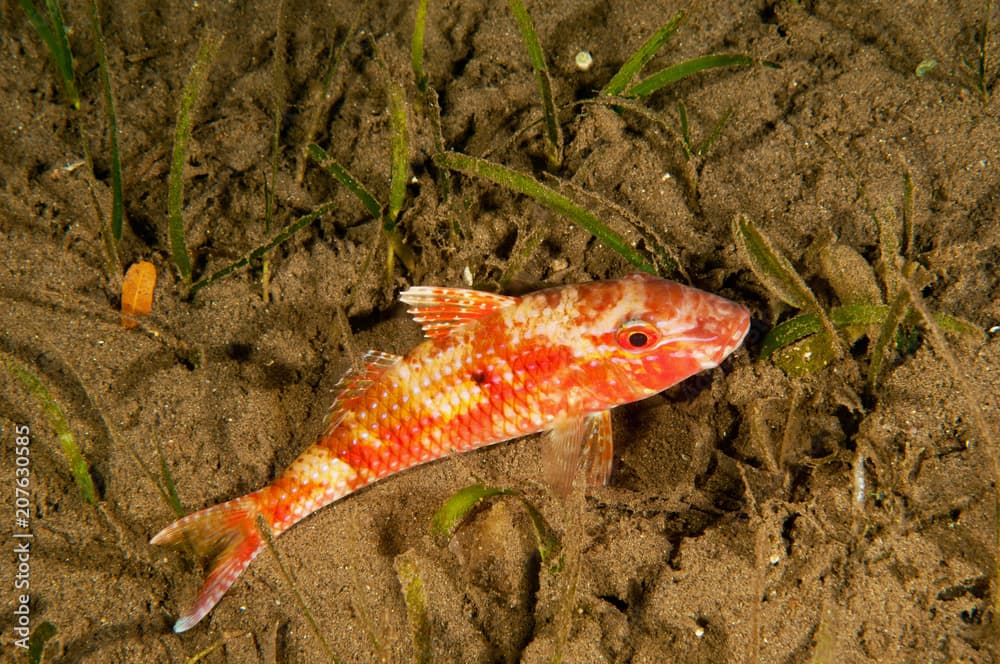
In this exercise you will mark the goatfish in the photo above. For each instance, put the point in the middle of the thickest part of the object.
(492, 368)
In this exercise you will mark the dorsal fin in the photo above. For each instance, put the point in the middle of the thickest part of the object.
(355, 382)
(440, 310)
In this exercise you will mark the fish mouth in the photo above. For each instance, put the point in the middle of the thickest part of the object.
(739, 334)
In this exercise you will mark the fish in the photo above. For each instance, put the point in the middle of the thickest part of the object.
(492, 368)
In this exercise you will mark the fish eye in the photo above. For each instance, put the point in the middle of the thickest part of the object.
(637, 335)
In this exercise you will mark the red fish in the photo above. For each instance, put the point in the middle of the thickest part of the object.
(492, 368)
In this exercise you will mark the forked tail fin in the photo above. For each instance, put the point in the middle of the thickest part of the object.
(227, 535)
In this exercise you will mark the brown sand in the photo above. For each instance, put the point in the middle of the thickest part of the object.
(729, 531)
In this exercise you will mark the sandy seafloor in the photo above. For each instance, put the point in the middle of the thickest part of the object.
(730, 529)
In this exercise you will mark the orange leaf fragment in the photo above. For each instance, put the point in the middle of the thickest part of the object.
(137, 292)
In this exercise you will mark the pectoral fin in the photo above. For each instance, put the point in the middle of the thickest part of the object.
(582, 442)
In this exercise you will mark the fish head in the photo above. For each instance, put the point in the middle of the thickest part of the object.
(644, 334)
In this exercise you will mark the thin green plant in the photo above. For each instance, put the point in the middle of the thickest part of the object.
(278, 87)
(182, 134)
(376, 209)
(36, 642)
(324, 96)
(417, 46)
(680, 131)
(665, 258)
(256, 254)
(388, 214)
(399, 172)
(52, 30)
(553, 131)
(806, 342)
(431, 105)
(527, 243)
(417, 610)
(168, 489)
(205, 652)
(630, 70)
(898, 268)
(780, 277)
(978, 69)
(344, 177)
(459, 505)
(692, 151)
(621, 84)
(265, 531)
(626, 88)
(457, 508)
(682, 70)
(54, 412)
(525, 184)
(113, 235)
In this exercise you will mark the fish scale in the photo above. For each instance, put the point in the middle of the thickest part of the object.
(493, 368)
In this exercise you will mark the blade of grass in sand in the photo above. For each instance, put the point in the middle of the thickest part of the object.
(443, 174)
(182, 134)
(792, 330)
(906, 241)
(553, 131)
(417, 46)
(674, 73)
(682, 114)
(621, 80)
(550, 198)
(979, 69)
(279, 92)
(285, 233)
(78, 465)
(53, 33)
(265, 531)
(37, 641)
(400, 153)
(400, 168)
(887, 333)
(797, 328)
(170, 489)
(323, 98)
(666, 262)
(453, 511)
(415, 597)
(117, 195)
(205, 652)
(339, 173)
(528, 241)
(545, 539)
(706, 145)
(775, 271)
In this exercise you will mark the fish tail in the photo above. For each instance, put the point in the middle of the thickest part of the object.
(228, 536)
